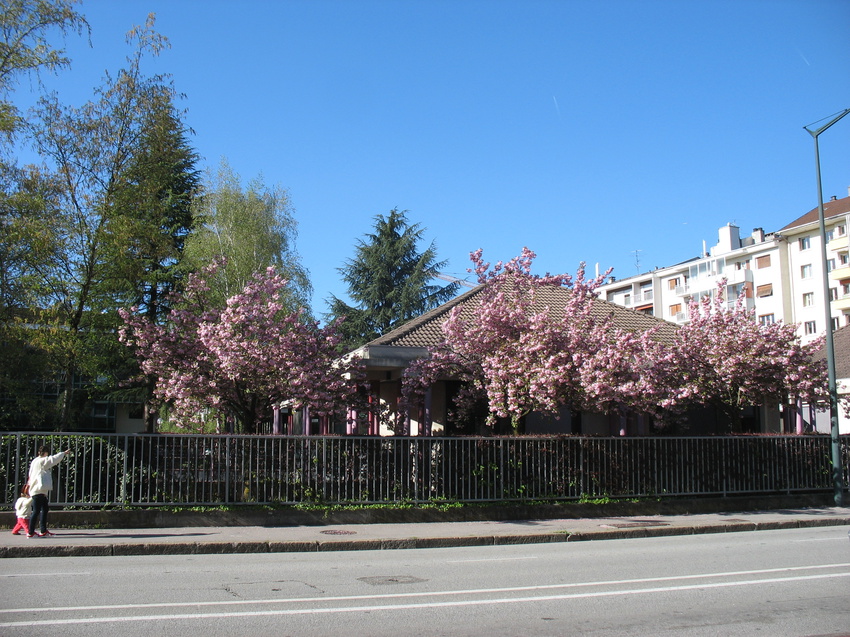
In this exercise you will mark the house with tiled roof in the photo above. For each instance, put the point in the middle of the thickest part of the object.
(387, 357)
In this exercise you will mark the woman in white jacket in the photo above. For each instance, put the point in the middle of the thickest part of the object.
(41, 484)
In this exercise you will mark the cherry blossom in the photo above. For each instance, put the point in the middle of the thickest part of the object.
(241, 360)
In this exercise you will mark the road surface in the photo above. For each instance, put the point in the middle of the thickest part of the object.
(772, 583)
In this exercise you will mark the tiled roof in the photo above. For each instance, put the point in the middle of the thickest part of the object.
(831, 208)
(426, 330)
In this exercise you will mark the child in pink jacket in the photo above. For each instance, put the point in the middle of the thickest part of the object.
(23, 509)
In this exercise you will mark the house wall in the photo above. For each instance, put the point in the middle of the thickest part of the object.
(126, 421)
(595, 424)
(439, 409)
(537, 423)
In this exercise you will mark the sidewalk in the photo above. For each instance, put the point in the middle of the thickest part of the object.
(352, 537)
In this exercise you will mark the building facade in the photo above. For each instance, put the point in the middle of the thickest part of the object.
(780, 273)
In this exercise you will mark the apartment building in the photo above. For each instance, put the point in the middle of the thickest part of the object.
(805, 271)
(780, 273)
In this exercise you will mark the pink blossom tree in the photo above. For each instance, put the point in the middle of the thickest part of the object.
(241, 360)
(525, 349)
(725, 358)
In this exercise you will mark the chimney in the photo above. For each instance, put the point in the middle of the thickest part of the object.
(758, 235)
(730, 240)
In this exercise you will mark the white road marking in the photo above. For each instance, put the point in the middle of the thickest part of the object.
(42, 574)
(421, 605)
(474, 591)
(493, 559)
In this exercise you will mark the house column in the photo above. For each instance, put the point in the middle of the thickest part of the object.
(276, 429)
(374, 412)
(305, 414)
(426, 420)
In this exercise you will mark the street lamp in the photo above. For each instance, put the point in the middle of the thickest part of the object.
(837, 479)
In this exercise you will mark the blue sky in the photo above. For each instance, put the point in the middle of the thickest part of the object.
(619, 133)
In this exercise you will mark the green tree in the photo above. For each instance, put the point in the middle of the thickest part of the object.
(152, 214)
(24, 48)
(251, 229)
(28, 204)
(148, 227)
(389, 280)
(92, 150)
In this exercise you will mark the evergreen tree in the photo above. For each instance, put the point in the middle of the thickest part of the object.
(152, 215)
(149, 224)
(389, 281)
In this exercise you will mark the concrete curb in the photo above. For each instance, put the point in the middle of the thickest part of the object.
(209, 548)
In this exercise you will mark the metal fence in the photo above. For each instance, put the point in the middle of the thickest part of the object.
(115, 470)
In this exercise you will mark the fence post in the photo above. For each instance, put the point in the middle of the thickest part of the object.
(17, 489)
(582, 468)
(227, 485)
(123, 494)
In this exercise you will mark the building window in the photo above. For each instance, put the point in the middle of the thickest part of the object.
(763, 262)
(767, 319)
(742, 265)
(805, 243)
(675, 309)
(673, 283)
(806, 271)
(833, 294)
(764, 290)
(840, 231)
(835, 324)
(627, 300)
(844, 258)
(808, 299)
(810, 327)
(830, 265)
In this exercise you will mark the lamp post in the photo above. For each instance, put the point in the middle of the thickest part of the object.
(837, 478)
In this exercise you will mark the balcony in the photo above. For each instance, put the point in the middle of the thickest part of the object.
(842, 303)
(839, 244)
(737, 276)
(840, 274)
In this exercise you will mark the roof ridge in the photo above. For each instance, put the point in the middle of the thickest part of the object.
(425, 330)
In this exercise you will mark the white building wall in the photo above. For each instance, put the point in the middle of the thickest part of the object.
(806, 274)
(781, 275)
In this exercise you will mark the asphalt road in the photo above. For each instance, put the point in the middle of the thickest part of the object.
(776, 583)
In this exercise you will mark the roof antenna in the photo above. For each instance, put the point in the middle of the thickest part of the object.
(637, 259)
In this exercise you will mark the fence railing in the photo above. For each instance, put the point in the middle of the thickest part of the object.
(115, 470)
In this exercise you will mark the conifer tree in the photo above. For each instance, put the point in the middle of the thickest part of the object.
(389, 280)
(152, 215)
